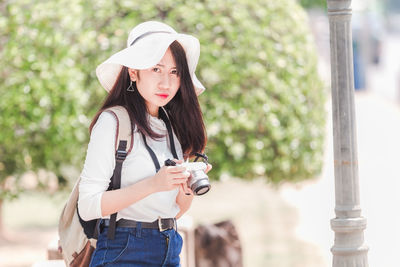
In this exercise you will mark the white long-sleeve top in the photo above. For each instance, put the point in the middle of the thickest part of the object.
(138, 165)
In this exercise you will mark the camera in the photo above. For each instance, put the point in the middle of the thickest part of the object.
(198, 179)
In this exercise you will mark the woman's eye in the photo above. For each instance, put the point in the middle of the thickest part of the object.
(156, 69)
(174, 72)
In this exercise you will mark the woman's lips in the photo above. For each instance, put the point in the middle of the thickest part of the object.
(163, 95)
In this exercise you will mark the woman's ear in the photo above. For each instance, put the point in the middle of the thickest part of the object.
(133, 74)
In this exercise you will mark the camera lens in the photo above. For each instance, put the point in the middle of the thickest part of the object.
(202, 190)
(200, 187)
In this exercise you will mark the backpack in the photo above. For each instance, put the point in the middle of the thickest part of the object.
(77, 238)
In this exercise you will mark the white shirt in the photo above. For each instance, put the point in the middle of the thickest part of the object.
(138, 165)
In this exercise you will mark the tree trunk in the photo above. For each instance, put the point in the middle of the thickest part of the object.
(218, 245)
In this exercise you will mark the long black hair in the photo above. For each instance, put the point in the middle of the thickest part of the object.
(183, 110)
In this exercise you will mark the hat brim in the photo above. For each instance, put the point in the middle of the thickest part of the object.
(147, 52)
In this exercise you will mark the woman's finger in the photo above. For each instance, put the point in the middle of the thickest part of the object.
(179, 161)
(186, 189)
(176, 169)
(179, 180)
(209, 167)
(179, 175)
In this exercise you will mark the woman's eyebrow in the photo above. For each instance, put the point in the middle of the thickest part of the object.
(161, 65)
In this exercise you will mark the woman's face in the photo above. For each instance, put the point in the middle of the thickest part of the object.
(158, 84)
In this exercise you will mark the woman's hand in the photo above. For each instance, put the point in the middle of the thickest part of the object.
(169, 178)
(184, 188)
(209, 167)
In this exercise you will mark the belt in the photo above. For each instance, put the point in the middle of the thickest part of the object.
(160, 224)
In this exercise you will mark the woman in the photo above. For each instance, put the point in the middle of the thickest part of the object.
(154, 75)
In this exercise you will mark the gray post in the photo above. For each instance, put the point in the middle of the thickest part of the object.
(349, 249)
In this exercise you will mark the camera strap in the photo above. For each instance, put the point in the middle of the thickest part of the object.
(164, 117)
(153, 156)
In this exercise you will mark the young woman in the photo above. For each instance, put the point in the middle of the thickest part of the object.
(154, 75)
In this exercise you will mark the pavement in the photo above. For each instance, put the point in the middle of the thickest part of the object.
(378, 137)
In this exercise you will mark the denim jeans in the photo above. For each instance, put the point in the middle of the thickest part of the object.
(138, 247)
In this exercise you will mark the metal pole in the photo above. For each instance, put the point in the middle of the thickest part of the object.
(349, 249)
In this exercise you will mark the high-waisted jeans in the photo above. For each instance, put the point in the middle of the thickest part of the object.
(138, 247)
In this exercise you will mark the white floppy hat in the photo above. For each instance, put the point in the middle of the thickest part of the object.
(146, 45)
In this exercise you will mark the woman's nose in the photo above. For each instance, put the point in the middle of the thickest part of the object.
(165, 81)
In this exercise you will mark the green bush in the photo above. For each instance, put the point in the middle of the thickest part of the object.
(313, 3)
(264, 103)
(43, 117)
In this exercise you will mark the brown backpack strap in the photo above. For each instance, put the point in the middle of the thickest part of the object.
(124, 127)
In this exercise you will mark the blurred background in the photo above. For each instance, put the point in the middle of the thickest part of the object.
(267, 108)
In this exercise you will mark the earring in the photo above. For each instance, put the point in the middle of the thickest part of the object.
(130, 88)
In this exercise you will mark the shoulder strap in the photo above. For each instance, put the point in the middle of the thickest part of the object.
(165, 118)
(124, 126)
(123, 146)
(152, 154)
(120, 156)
